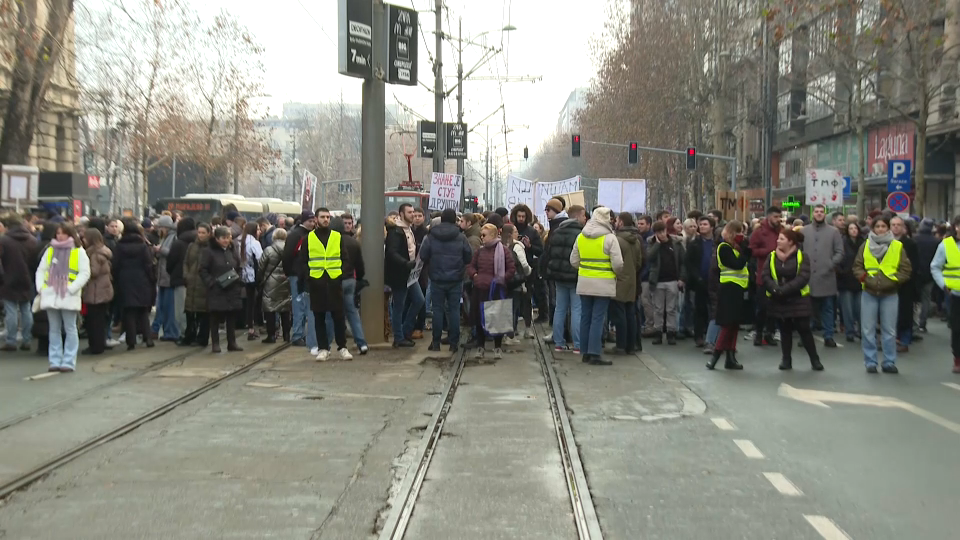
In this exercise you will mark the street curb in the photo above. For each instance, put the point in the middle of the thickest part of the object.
(692, 404)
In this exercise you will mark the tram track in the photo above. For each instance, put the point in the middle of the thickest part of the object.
(37, 473)
(584, 514)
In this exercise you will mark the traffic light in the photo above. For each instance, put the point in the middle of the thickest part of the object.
(576, 145)
(691, 159)
(526, 153)
(633, 153)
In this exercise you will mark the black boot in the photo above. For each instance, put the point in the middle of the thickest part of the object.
(786, 364)
(658, 339)
(815, 364)
(731, 362)
(712, 363)
(671, 338)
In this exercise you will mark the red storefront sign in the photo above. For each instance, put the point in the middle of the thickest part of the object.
(889, 142)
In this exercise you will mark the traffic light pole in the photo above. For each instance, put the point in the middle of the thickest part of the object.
(732, 160)
(440, 150)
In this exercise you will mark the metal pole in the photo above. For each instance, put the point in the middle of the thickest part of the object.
(488, 196)
(460, 90)
(118, 178)
(769, 117)
(440, 153)
(173, 190)
(372, 187)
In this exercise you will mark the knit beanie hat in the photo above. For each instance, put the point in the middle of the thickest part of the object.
(556, 204)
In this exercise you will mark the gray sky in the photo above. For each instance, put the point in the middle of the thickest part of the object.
(552, 40)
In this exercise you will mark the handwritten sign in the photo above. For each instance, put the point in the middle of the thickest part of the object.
(445, 191)
(825, 186)
(519, 191)
(544, 191)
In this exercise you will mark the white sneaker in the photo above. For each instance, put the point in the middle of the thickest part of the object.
(749, 336)
(511, 341)
(123, 337)
(112, 343)
(776, 336)
(314, 351)
(548, 338)
(364, 349)
(345, 354)
(323, 355)
(528, 333)
(479, 354)
(497, 353)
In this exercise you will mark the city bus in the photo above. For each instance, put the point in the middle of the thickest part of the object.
(203, 206)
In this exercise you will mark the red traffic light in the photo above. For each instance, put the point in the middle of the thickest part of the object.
(633, 146)
(691, 151)
(576, 138)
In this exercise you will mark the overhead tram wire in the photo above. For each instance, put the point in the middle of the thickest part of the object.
(322, 29)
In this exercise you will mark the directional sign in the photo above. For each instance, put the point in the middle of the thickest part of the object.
(456, 141)
(401, 45)
(898, 175)
(847, 186)
(898, 201)
(426, 138)
(820, 397)
(356, 38)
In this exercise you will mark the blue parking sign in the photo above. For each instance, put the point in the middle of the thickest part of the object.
(847, 186)
(898, 176)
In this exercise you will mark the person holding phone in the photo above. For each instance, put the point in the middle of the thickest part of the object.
(730, 277)
(666, 257)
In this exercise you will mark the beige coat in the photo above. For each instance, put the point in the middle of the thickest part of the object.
(611, 247)
(99, 289)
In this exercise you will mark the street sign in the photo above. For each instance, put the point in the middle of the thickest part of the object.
(426, 138)
(898, 201)
(401, 45)
(355, 53)
(456, 141)
(847, 186)
(898, 175)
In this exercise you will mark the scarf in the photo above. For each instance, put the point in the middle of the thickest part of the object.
(59, 272)
(879, 244)
(408, 233)
(499, 264)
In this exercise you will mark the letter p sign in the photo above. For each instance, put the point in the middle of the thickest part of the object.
(898, 175)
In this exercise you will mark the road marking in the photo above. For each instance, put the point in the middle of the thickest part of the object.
(826, 527)
(953, 385)
(724, 424)
(783, 485)
(817, 397)
(749, 449)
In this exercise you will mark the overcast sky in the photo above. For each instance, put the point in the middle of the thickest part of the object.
(552, 40)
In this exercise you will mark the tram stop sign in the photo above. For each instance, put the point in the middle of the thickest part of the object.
(898, 202)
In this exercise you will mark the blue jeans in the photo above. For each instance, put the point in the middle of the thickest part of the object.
(165, 317)
(592, 314)
(350, 313)
(302, 316)
(827, 317)
(404, 320)
(885, 308)
(445, 302)
(713, 330)
(63, 350)
(567, 301)
(25, 312)
(850, 309)
(686, 311)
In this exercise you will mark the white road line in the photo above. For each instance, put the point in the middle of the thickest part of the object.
(749, 449)
(826, 527)
(725, 424)
(783, 485)
(953, 385)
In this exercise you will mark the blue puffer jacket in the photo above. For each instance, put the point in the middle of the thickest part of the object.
(447, 252)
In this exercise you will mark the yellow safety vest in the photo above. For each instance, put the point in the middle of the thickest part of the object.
(594, 263)
(805, 291)
(729, 275)
(74, 270)
(889, 265)
(322, 258)
(951, 270)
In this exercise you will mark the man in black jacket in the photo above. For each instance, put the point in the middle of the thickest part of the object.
(399, 259)
(522, 219)
(301, 302)
(699, 254)
(557, 268)
(353, 275)
(186, 235)
(18, 258)
(447, 253)
(927, 245)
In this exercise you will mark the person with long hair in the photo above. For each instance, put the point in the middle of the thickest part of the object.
(518, 289)
(165, 318)
(847, 284)
(98, 292)
(135, 282)
(492, 266)
(730, 278)
(250, 254)
(64, 270)
(786, 279)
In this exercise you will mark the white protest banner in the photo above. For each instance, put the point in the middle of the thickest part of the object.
(544, 191)
(825, 186)
(445, 191)
(519, 191)
(623, 195)
(308, 191)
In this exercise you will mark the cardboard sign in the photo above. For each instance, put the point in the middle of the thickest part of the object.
(445, 190)
(742, 204)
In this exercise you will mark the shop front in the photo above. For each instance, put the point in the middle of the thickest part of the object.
(70, 195)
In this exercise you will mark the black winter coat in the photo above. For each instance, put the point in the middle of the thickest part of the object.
(846, 281)
(214, 262)
(134, 272)
(927, 245)
(178, 253)
(728, 299)
(535, 251)
(291, 250)
(19, 254)
(694, 259)
(396, 258)
(447, 252)
(556, 255)
(787, 302)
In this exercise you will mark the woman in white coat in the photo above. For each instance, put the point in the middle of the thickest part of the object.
(64, 270)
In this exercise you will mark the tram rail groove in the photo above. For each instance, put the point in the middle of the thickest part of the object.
(41, 471)
(39, 411)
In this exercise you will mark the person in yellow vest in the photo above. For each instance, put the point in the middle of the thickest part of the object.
(321, 275)
(786, 278)
(945, 268)
(64, 270)
(729, 277)
(596, 256)
(882, 267)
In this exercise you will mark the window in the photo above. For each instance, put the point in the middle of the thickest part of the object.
(786, 56)
(783, 112)
(821, 93)
(821, 37)
(868, 15)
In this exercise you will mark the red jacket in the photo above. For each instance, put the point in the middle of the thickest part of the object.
(482, 265)
(763, 242)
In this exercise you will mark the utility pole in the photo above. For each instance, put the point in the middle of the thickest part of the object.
(372, 180)
(440, 153)
(460, 89)
(173, 190)
(293, 167)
